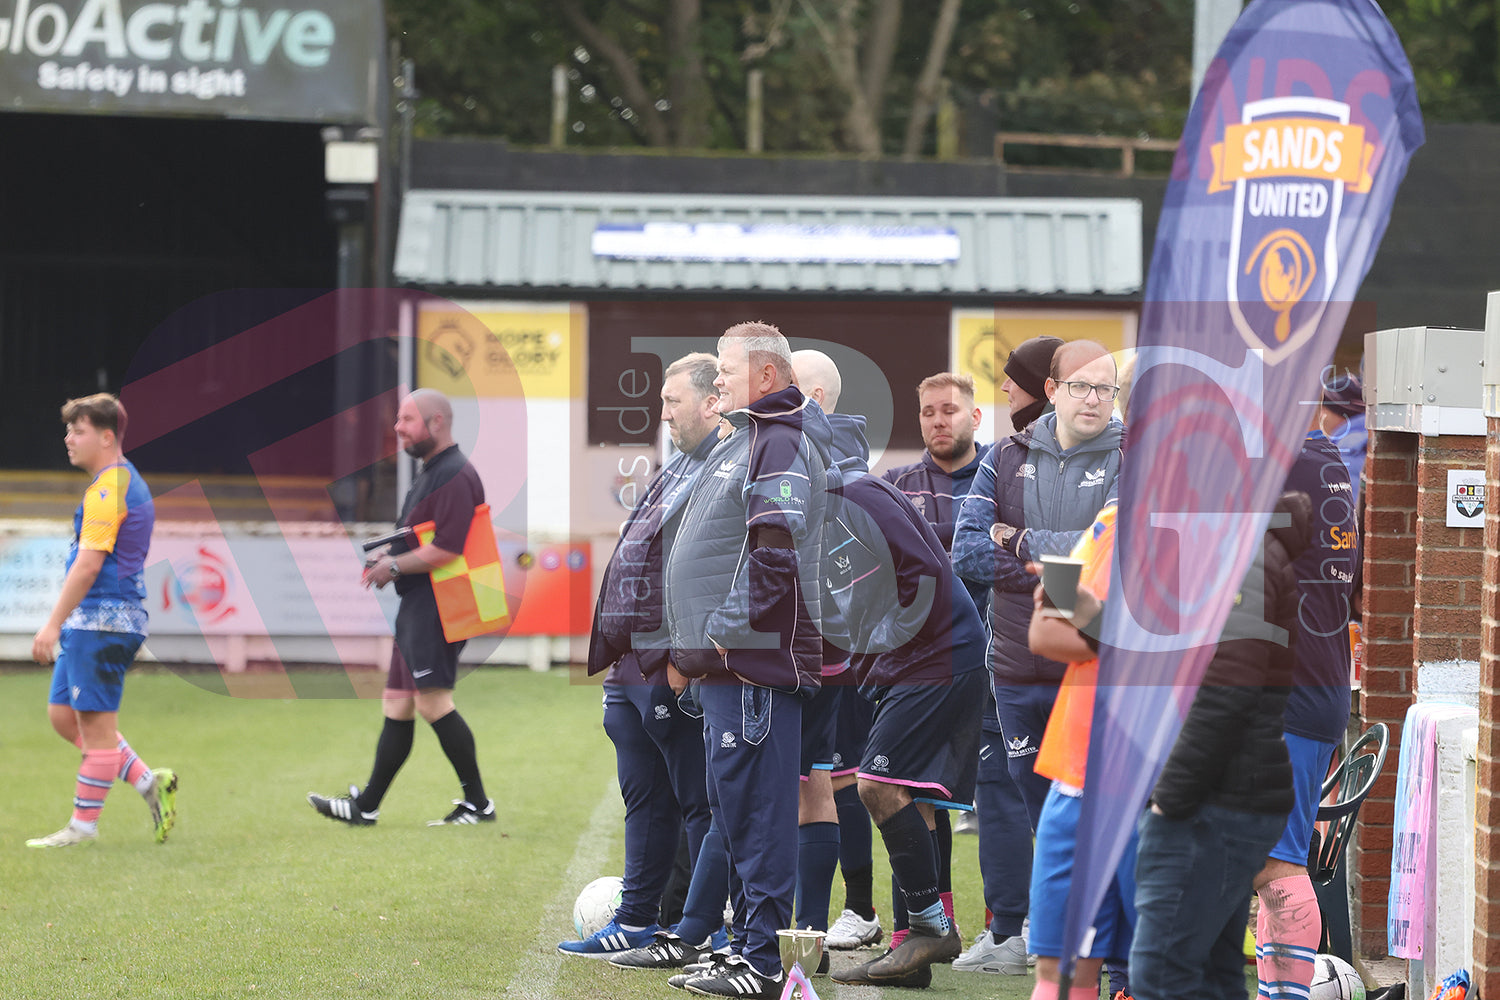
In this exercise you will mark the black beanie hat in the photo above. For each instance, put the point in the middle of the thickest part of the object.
(1344, 394)
(1030, 365)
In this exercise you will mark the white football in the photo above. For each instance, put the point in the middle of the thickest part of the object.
(596, 905)
(1335, 979)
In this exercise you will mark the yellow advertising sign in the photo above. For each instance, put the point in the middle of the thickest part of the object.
(983, 339)
(488, 349)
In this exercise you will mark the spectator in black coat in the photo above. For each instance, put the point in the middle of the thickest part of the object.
(1225, 791)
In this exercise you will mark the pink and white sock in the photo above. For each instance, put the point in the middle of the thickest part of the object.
(1286, 935)
(95, 776)
(133, 770)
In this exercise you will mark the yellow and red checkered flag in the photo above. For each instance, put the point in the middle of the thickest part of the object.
(470, 590)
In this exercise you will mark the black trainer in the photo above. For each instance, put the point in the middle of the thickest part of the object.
(668, 951)
(736, 978)
(705, 964)
(918, 951)
(343, 808)
(465, 812)
(859, 975)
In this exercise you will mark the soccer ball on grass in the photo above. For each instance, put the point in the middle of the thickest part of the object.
(1335, 979)
(596, 905)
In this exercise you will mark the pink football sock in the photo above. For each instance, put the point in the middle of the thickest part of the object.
(1286, 938)
(95, 775)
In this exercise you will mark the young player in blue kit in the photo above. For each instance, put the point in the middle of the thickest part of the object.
(99, 621)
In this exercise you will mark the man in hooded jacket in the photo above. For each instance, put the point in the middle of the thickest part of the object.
(742, 602)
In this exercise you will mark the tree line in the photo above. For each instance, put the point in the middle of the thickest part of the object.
(861, 77)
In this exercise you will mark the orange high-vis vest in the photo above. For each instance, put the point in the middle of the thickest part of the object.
(470, 589)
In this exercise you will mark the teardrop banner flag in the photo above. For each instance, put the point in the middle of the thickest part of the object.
(470, 589)
(1280, 192)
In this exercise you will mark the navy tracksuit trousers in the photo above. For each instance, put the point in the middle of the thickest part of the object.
(659, 759)
(753, 742)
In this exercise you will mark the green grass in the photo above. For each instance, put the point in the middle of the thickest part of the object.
(257, 896)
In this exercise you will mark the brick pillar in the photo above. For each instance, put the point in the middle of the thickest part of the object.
(1390, 545)
(1445, 624)
(1487, 794)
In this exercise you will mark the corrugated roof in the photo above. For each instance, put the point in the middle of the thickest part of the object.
(1006, 246)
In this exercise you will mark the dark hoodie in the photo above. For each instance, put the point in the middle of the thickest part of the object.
(729, 578)
(1230, 752)
(851, 459)
(849, 450)
(909, 619)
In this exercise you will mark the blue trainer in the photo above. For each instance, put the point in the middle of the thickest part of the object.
(609, 941)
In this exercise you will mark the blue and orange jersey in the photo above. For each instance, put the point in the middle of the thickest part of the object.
(1064, 753)
(116, 518)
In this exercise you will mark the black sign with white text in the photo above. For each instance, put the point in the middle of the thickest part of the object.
(289, 60)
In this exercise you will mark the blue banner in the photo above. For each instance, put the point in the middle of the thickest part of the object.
(1280, 192)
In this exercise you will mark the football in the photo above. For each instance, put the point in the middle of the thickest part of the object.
(596, 905)
(1335, 979)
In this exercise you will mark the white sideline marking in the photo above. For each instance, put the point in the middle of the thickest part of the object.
(536, 973)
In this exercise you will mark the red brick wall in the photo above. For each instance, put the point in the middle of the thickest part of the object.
(1445, 624)
(1487, 796)
(1390, 540)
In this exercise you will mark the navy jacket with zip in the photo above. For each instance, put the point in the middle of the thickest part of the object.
(1030, 482)
(629, 637)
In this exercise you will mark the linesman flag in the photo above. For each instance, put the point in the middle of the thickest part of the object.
(470, 589)
(1280, 192)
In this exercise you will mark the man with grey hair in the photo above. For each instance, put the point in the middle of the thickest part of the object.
(742, 584)
(658, 746)
(424, 664)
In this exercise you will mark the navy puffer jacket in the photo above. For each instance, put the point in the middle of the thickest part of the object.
(758, 601)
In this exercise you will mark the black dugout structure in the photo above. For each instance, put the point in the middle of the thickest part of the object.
(160, 153)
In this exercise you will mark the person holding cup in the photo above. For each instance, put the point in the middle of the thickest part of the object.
(1037, 492)
(1065, 626)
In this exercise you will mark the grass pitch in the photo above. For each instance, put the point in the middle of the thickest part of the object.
(255, 895)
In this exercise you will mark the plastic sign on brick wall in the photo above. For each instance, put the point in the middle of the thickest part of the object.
(1465, 498)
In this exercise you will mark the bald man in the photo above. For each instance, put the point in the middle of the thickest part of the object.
(836, 720)
(424, 664)
(1035, 493)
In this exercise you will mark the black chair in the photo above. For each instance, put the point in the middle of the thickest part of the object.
(1349, 781)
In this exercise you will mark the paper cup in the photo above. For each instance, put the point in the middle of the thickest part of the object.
(1060, 585)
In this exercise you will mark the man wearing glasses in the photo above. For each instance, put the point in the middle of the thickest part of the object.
(1034, 494)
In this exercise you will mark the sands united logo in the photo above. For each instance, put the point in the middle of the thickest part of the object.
(1090, 479)
(1289, 162)
(1019, 746)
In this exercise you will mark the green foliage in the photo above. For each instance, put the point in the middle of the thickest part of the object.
(1454, 49)
(1115, 67)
